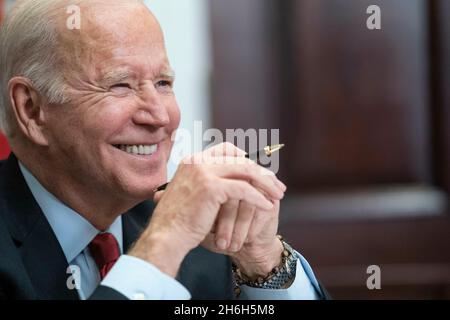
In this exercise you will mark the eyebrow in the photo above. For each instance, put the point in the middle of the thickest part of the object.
(117, 76)
(168, 73)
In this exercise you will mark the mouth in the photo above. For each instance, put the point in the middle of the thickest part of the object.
(138, 149)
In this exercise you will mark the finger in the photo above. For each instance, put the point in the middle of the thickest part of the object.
(215, 155)
(242, 190)
(209, 244)
(225, 223)
(213, 229)
(264, 221)
(224, 149)
(250, 166)
(256, 175)
(242, 226)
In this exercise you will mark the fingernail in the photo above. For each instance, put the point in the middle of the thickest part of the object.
(280, 195)
(270, 205)
(221, 244)
(280, 184)
(234, 247)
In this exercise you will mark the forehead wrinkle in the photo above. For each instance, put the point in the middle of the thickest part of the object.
(108, 24)
(108, 28)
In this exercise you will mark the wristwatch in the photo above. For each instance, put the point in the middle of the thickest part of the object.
(279, 278)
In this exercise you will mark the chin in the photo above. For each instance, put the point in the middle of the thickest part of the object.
(142, 188)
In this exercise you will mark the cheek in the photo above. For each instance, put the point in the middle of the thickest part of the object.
(64, 128)
(174, 115)
(106, 119)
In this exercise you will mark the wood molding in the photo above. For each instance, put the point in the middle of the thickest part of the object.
(389, 202)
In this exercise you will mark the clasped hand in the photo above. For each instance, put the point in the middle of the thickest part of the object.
(222, 201)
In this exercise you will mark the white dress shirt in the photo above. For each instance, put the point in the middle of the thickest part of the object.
(135, 278)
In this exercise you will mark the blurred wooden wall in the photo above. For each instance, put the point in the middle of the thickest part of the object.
(365, 116)
(2, 4)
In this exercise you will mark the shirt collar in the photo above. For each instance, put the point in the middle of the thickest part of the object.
(72, 230)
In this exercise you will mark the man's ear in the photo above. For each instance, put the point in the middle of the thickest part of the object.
(27, 108)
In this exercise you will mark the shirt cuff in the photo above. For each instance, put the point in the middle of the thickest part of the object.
(137, 279)
(302, 288)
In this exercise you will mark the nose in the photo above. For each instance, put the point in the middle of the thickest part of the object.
(152, 111)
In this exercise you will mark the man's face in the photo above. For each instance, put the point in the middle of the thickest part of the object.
(115, 134)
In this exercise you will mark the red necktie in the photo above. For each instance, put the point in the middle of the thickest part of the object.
(105, 251)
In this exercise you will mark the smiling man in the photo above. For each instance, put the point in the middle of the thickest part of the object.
(89, 115)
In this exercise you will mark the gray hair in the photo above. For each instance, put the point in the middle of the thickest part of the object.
(29, 48)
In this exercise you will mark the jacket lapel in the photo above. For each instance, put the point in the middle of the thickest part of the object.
(46, 264)
(42, 256)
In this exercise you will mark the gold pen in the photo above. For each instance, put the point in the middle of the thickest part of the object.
(268, 151)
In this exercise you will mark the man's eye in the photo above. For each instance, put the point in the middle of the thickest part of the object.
(122, 85)
(164, 83)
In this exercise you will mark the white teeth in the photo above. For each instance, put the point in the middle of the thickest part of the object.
(138, 149)
(153, 148)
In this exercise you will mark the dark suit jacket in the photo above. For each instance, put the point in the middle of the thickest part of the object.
(33, 265)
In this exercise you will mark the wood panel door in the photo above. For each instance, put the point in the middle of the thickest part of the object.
(365, 117)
